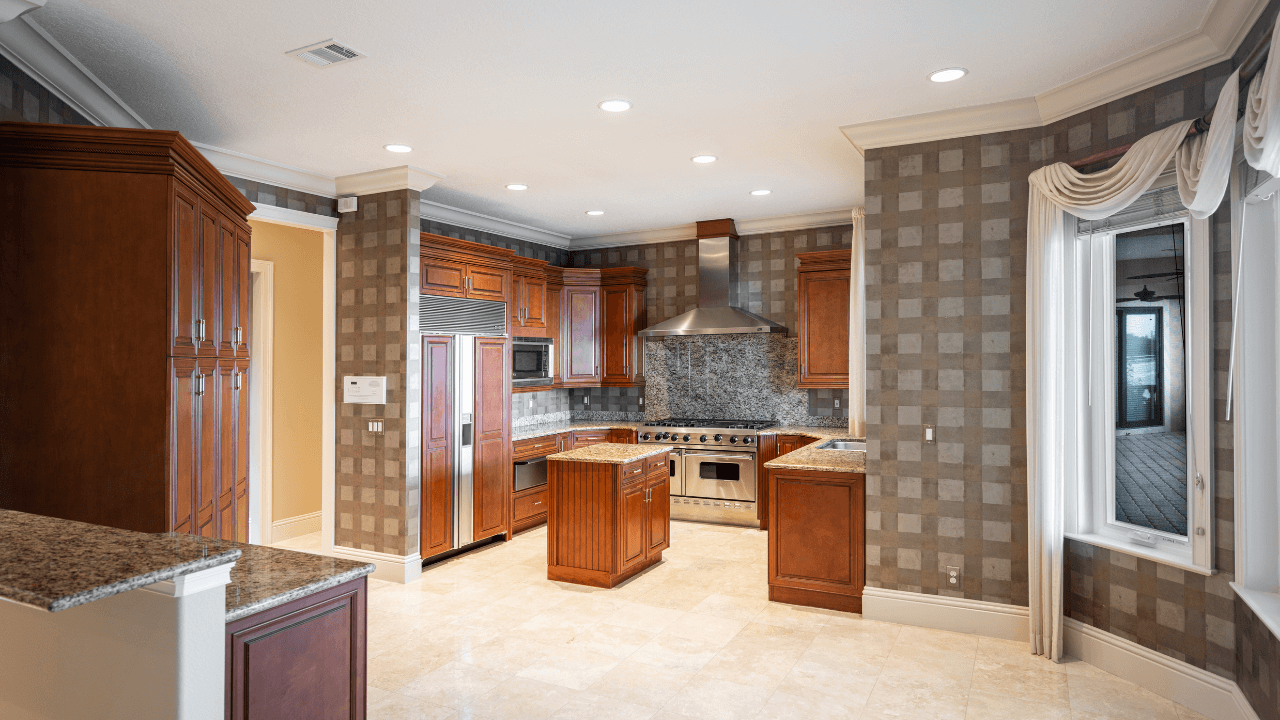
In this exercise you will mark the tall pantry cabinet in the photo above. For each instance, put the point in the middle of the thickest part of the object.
(124, 331)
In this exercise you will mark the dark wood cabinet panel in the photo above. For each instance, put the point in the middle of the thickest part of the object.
(304, 659)
(493, 470)
(623, 436)
(817, 538)
(555, 301)
(156, 234)
(528, 508)
(535, 447)
(442, 276)
(823, 280)
(529, 304)
(586, 438)
(460, 268)
(488, 283)
(242, 450)
(624, 315)
(769, 447)
(228, 389)
(582, 335)
(436, 517)
(244, 268)
(604, 523)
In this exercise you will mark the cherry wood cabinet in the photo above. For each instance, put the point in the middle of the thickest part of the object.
(492, 468)
(823, 287)
(436, 535)
(622, 298)
(555, 305)
(528, 308)
(623, 436)
(303, 659)
(769, 447)
(125, 330)
(817, 538)
(585, 438)
(606, 522)
(461, 268)
(582, 329)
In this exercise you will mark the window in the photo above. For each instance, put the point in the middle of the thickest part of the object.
(1141, 283)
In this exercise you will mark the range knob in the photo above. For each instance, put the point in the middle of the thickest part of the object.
(718, 438)
(733, 439)
(663, 436)
(702, 439)
(645, 436)
(686, 438)
(747, 440)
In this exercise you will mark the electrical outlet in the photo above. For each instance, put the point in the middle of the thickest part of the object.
(530, 403)
(837, 402)
(953, 577)
(642, 401)
(586, 399)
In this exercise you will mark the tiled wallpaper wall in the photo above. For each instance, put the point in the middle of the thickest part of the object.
(378, 478)
(267, 194)
(22, 99)
(1257, 662)
(608, 404)
(538, 407)
(524, 248)
(946, 238)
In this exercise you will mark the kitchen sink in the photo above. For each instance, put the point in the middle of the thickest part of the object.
(848, 445)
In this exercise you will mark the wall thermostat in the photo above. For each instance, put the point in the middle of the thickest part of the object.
(364, 389)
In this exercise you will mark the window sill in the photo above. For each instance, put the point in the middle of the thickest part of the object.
(1162, 555)
(1266, 605)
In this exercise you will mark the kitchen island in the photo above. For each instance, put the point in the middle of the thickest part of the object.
(609, 512)
(817, 527)
(107, 623)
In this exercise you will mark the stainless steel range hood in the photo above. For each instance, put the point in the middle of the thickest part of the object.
(717, 289)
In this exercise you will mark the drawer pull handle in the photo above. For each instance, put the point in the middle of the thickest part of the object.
(538, 503)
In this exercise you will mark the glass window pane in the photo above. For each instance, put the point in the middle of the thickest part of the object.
(1150, 393)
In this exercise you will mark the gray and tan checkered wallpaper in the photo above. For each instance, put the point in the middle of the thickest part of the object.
(1257, 662)
(276, 196)
(524, 248)
(378, 477)
(946, 239)
(22, 99)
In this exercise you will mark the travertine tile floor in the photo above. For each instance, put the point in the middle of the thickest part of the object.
(486, 636)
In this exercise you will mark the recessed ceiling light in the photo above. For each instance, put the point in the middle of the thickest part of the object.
(947, 75)
(595, 212)
(704, 158)
(615, 106)
(761, 192)
(398, 148)
(517, 186)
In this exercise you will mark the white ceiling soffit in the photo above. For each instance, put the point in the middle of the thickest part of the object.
(1221, 32)
(27, 45)
(293, 218)
(385, 180)
(485, 223)
(758, 226)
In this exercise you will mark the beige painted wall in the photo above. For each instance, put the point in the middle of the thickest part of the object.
(298, 258)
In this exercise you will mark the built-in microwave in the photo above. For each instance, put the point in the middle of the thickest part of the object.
(531, 361)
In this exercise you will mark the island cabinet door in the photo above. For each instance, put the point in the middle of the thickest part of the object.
(658, 535)
(634, 519)
(303, 659)
(493, 469)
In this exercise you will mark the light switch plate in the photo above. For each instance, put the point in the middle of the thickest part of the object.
(930, 435)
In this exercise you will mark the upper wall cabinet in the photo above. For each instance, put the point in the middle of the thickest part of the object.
(460, 268)
(823, 287)
(622, 292)
(581, 328)
(529, 306)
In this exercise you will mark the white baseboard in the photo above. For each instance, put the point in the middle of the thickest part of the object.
(977, 617)
(392, 568)
(293, 527)
(1208, 694)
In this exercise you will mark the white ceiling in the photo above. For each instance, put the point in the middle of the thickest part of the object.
(490, 92)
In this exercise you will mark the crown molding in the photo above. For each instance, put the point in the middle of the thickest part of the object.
(11, 9)
(778, 223)
(485, 223)
(293, 218)
(1220, 33)
(403, 177)
(25, 44)
(235, 164)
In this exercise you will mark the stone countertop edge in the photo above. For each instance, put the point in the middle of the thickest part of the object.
(611, 453)
(258, 606)
(818, 433)
(528, 432)
(810, 458)
(121, 586)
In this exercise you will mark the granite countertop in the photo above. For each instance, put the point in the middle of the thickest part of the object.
(266, 577)
(554, 428)
(819, 433)
(55, 564)
(612, 453)
(810, 457)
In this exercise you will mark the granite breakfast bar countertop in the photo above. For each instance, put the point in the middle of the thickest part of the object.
(54, 564)
(265, 577)
(811, 457)
(611, 453)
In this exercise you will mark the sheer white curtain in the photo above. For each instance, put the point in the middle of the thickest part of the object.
(858, 328)
(1261, 114)
(1203, 167)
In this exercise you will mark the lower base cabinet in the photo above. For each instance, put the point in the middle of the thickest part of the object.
(303, 659)
(770, 447)
(817, 538)
(607, 522)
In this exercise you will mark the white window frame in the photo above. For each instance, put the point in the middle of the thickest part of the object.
(1256, 397)
(1090, 506)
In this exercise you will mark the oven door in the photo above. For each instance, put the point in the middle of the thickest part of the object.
(720, 474)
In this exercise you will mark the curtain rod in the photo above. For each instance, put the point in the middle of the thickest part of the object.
(1251, 66)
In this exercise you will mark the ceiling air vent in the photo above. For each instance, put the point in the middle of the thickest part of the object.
(324, 54)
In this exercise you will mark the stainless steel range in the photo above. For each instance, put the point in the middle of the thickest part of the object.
(713, 467)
